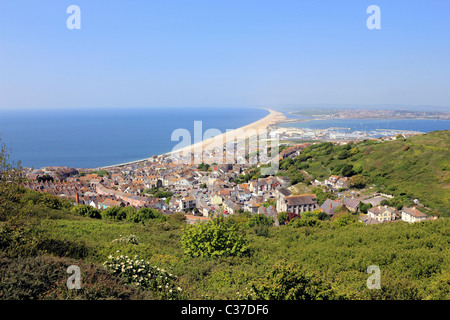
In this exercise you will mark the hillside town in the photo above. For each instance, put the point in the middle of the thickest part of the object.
(202, 191)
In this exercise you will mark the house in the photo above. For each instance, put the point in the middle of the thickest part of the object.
(382, 213)
(186, 203)
(342, 183)
(252, 206)
(329, 206)
(299, 204)
(413, 215)
(332, 180)
(230, 207)
(110, 203)
(351, 204)
(216, 199)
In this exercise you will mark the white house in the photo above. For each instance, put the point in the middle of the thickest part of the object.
(413, 215)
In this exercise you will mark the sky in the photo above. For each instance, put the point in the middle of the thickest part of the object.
(220, 53)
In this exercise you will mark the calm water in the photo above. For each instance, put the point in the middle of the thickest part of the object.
(89, 138)
(374, 124)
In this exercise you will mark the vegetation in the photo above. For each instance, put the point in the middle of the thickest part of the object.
(227, 258)
(158, 192)
(412, 168)
(218, 238)
(101, 173)
(203, 166)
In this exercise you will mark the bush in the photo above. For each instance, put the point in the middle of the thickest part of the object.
(87, 211)
(304, 222)
(140, 273)
(289, 282)
(115, 213)
(213, 239)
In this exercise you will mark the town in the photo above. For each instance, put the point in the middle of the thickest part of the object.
(205, 190)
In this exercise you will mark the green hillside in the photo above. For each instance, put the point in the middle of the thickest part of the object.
(326, 260)
(415, 167)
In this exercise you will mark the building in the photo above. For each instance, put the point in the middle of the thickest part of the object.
(298, 204)
(413, 215)
(280, 194)
(382, 213)
(329, 206)
(186, 203)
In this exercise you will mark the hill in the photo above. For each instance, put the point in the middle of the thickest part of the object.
(416, 167)
(326, 260)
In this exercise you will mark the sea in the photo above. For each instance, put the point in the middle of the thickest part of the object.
(370, 125)
(92, 138)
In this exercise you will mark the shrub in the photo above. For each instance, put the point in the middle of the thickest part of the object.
(289, 282)
(87, 211)
(304, 222)
(141, 273)
(213, 239)
(115, 213)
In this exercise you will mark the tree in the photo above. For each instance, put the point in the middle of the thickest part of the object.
(260, 220)
(203, 166)
(283, 217)
(347, 170)
(322, 196)
(358, 182)
(310, 221)
(344, 154)
(364, 207)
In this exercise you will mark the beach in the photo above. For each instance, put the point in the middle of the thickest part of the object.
(257, 127)
(218, 141)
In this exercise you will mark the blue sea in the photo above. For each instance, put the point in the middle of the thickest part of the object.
(420, 125)
(91, 138)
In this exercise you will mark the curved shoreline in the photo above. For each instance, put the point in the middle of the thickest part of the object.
(260, 125)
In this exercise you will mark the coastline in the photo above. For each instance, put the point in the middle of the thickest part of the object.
(274, 117)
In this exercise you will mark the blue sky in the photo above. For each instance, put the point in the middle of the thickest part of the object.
(223, 53)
